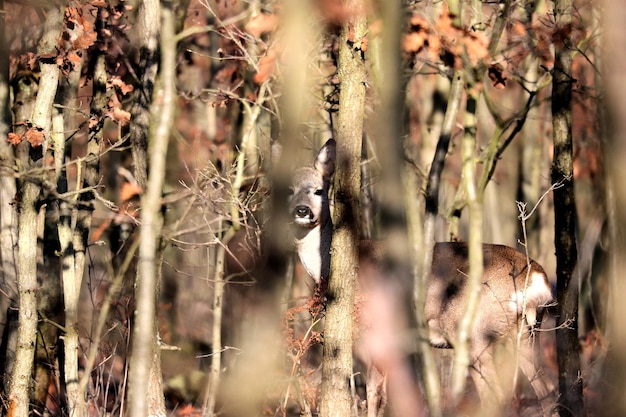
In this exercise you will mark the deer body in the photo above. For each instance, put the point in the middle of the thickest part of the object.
(513, 288)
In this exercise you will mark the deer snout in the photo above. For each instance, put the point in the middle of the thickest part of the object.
(303, 212)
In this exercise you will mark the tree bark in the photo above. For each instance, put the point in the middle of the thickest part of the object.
(75, 222)
(148, 23)
(145, 376)
(474, 199)
(8, 190)
(21, 376)
(337, 361)
(570, 402)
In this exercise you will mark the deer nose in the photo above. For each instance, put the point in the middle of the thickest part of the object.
(303, 212)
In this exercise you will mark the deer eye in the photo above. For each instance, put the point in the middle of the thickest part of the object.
(319, 191)
(290, 192)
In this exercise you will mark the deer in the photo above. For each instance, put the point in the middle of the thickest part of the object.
(514, 288)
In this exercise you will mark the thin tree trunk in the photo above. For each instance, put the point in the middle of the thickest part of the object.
(148, 23)
(336, 399)
(474, 200)
(8, 191)
(74, 239)
(21, 376)
(570, 402)
(145, 377)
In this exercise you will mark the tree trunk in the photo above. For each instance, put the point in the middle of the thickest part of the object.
(145, 377)
(74, 239)
(474, 199)
(27, 227)
(8, 189)
(337, 370)
(148, 23)
(570, 401)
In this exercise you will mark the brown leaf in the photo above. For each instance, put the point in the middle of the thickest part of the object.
(15, 138)
(35, 136)
(80, 31)
(85, 40)
(262, 23)
(74, 57)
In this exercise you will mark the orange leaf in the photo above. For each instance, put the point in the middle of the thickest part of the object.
(35, 136)
(74, 57)
(14, 138)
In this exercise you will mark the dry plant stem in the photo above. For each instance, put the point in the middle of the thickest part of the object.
(249, 139)
(337, 363)
(145, 353)
(294, 370)
(27, 229)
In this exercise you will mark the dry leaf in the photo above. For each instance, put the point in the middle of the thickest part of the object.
(14, 138)
(35, 136)
(80, 32)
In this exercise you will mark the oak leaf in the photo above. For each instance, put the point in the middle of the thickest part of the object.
(35, 136)
(15, 138)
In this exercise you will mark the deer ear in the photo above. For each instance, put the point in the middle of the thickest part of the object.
(325, 161)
